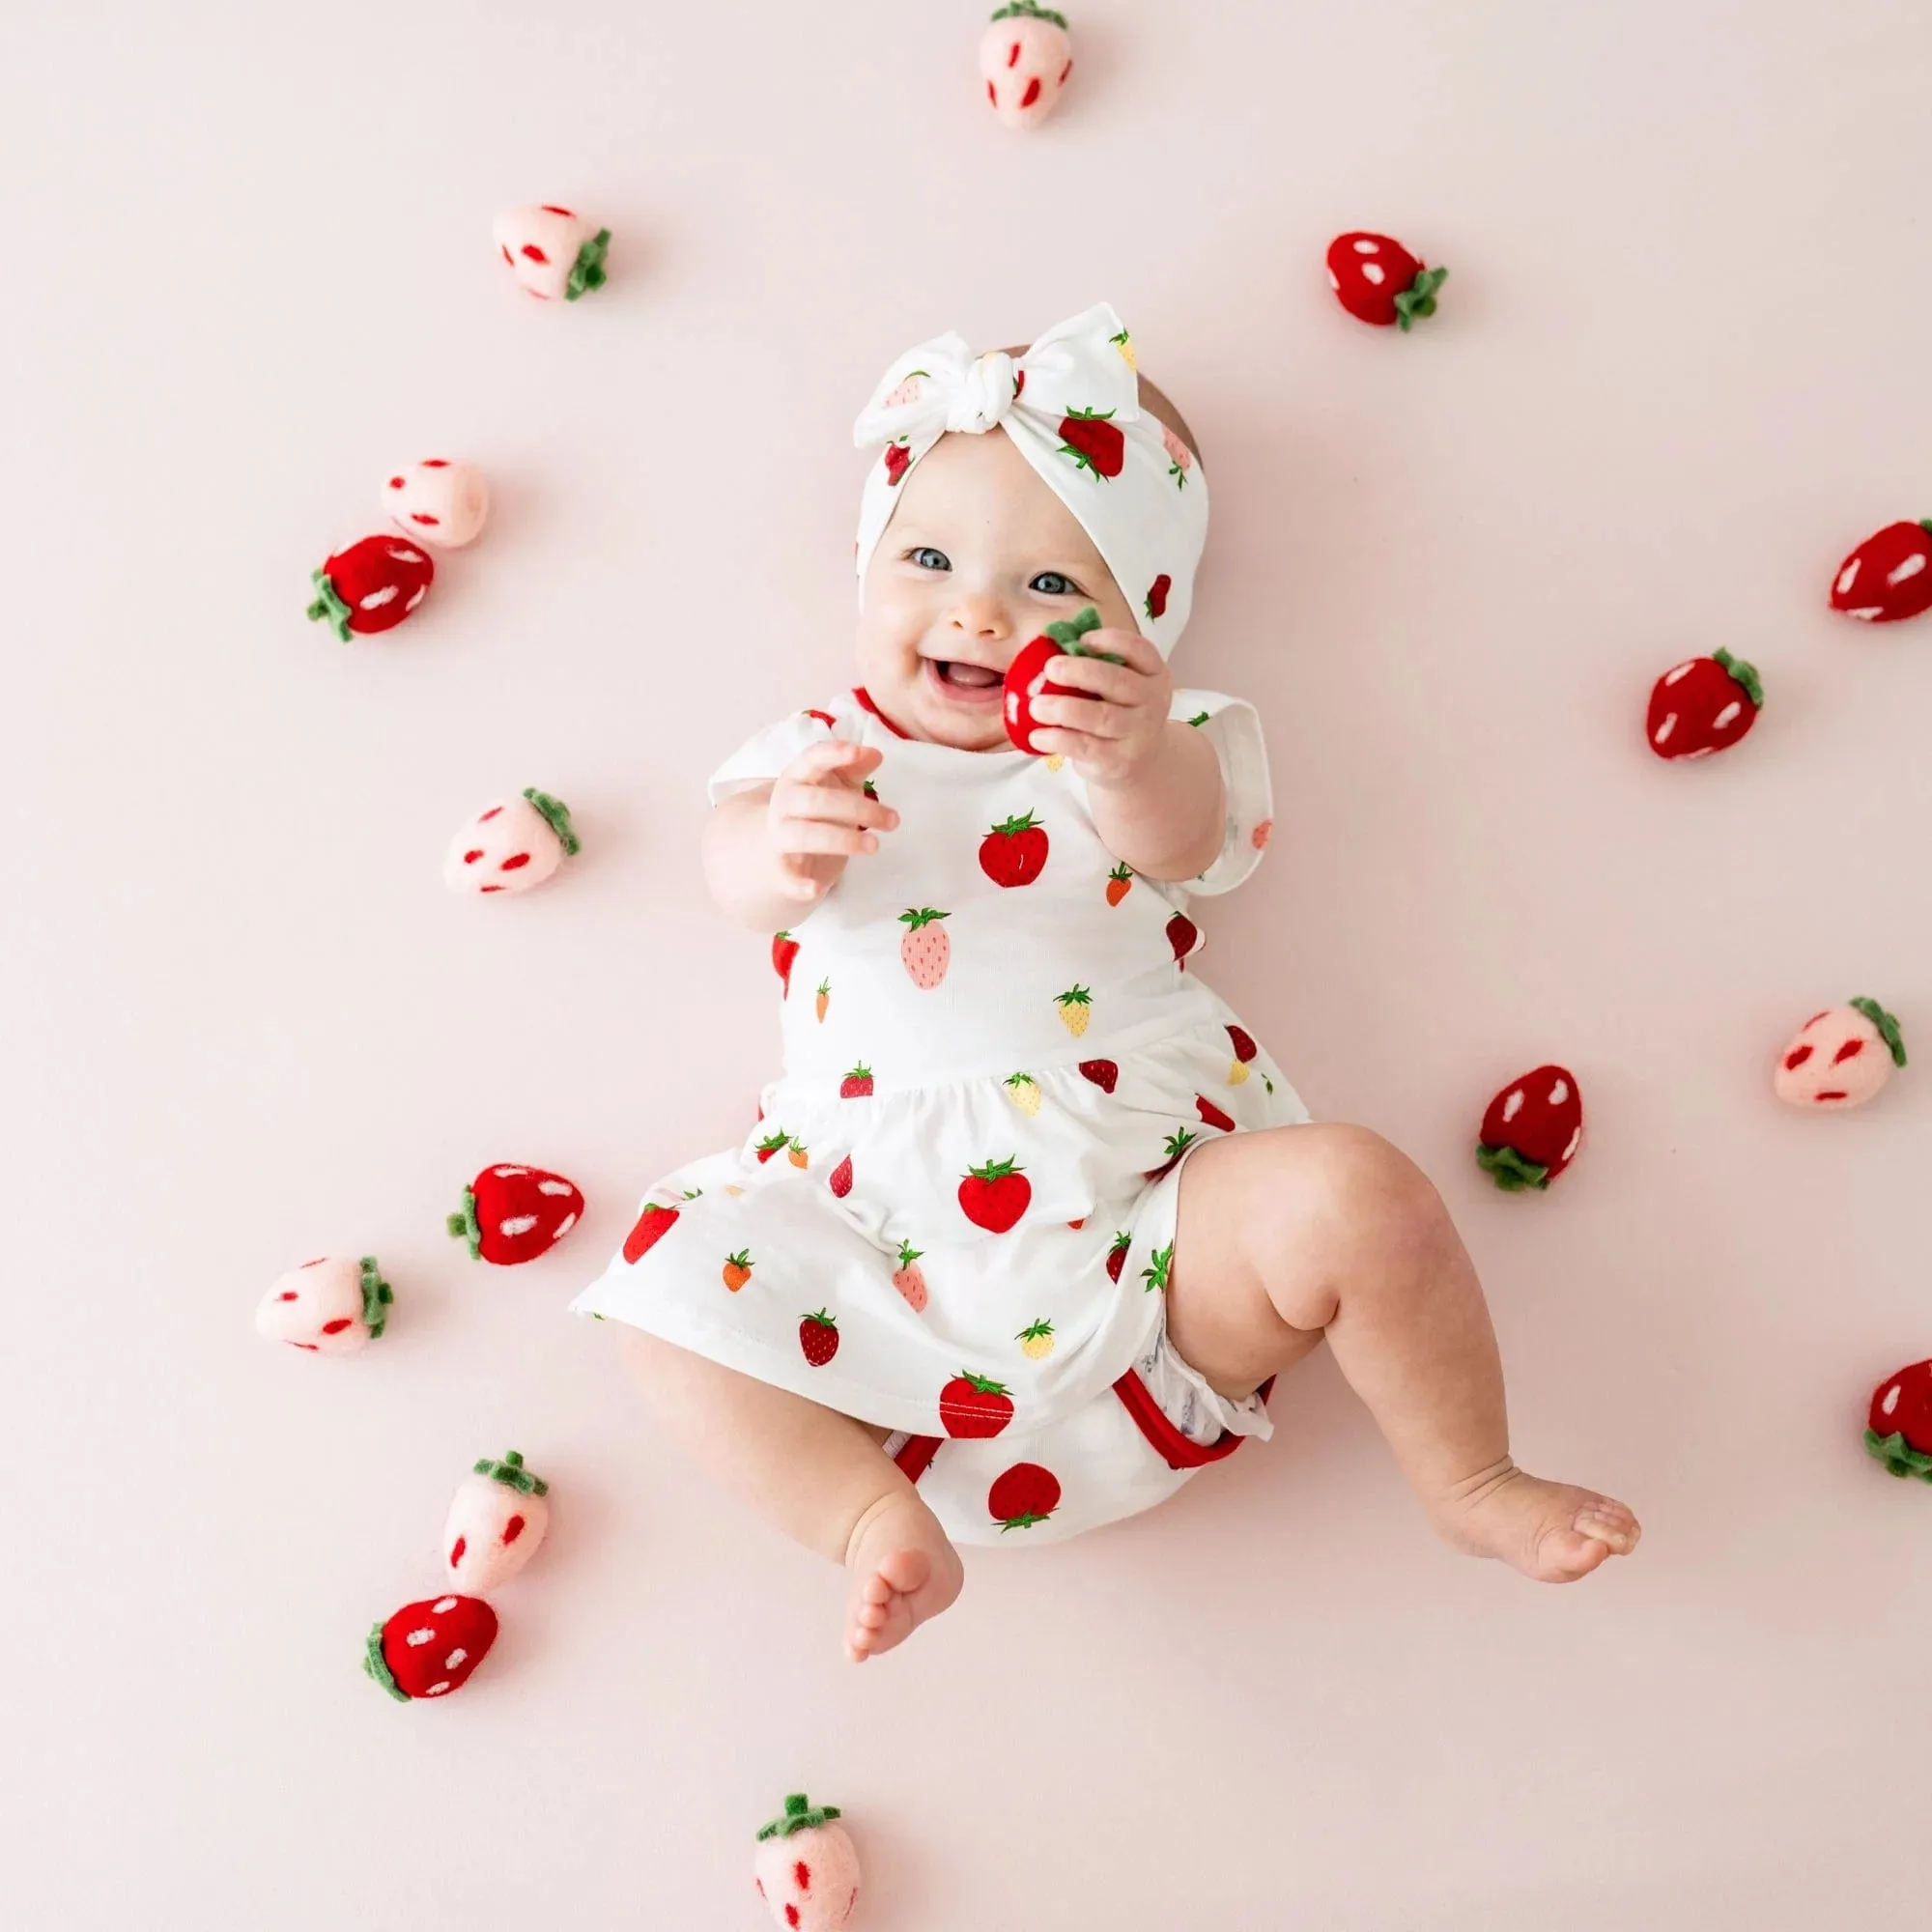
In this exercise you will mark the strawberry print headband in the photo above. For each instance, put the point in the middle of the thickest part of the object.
(1070, 405)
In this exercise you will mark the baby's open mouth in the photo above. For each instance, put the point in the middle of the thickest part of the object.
(962, 682)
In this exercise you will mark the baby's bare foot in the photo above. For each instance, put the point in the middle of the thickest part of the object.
(1550, 1531)
(903, 1571)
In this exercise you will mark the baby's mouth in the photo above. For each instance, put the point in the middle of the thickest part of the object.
(964, 683)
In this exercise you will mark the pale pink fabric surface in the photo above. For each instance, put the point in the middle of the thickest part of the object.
(1677, 371)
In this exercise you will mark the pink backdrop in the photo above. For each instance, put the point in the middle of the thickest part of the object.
(1680, 367)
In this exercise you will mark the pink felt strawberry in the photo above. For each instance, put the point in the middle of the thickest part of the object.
(807, 1869)
(784, 955)
(1023, 1496)
(1378, 280)
(857, 1085)
(496, 1525)
(995, 1196)
(1703, 705)
(818, 1337)
(1014, 853)
(431, 1648)
(330, 1306)
(1898, 1427)
(1058, 640)
(552, 251)
(1532, 1129)
(370, 586)
(443, 503)
(1025, 56)
(511, 846)
(1888, 576)
(924, 950)
(974, 1406)
(1840, 1058)
(513, 1214)
(1094, 442)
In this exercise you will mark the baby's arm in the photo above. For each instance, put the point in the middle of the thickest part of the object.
(1155, 783)
(775, 849)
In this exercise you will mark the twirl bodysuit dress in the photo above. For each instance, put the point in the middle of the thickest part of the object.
(956, 1215)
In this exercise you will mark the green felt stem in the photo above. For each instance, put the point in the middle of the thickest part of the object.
(587, 271)
(512, 1474)
(328, 608)
(466, 1227)
(556, 815)
(1925, 525)
(1418, 299)
(1744, 674)
(800, 1815)
(1067, 633)
(1899, 1456)
(1027, 9)
(376, 1295)
(1888, 1027)
(372, 1664)
(1509, 1170)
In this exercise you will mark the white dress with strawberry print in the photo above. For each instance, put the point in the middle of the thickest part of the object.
(955, 1213)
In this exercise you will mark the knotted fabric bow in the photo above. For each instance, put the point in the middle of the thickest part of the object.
(1070, 405)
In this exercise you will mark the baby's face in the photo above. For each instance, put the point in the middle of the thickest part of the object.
(979, 556)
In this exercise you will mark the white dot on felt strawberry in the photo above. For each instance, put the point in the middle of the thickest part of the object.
(1890, 1401)
(437, 1689)
(1334, 280)
(1368, 248)
(1371, 272)
(1512, 1106)
(553, 1187)
(455, 1659)
(517, 1224)
(418, 1637)
(1911, 567)
(1848, 577)
(443, 1605)
(376, 598)
(564, 1227)
(1571, 1147)
(1682, 671)
(1559, 1092)
(1664, 729)
(1727, 716)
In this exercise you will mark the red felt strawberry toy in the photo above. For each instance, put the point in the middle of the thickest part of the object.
(1532, 1129)
(1061, 640)
(1887, 577)
(1378, 281)
(431, 1648)
(370, 586)
(513, 1214)
(971, 1405)
(1703, 705)
(1023, 1496)
(1898, 1429)
(1014, 853)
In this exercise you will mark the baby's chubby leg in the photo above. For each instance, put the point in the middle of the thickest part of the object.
(818, 1475)
(1294, 1234)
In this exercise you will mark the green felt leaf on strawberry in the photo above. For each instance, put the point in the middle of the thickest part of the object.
(1898, 1427)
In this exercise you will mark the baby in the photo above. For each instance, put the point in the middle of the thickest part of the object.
(1030, 1224)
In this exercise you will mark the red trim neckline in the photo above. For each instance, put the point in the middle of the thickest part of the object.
(866, 703)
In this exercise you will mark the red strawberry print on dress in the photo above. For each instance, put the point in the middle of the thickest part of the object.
(1025, 56)
(1703, 705)
(511, 846)
(898, 461)
(552, 252)
(512, 1214)
(1888, 576)
(1378, 281)
(370, 586)
(1014, 853)
(1023, 1496)
(806, 1870)
(974, 1406)
(1184, 937)
(839, 1180)
(430, 1648)
(1117, 1255)
(1840, 1058)
(1243, 1044)
(784, 954)
(496, 1525)
(1155, 604)
(818, 1337)
(1103, 1072)
(328, 1306)
(443, 503)
(1899, 1426)
(1173, 1147)
(652, 1225)
(995, 1196)
(1212, 1115)
(1119, 883)
(1532, 1129)
(925, 950)
(1058, 640)
(857, 1085)
(1093, 442)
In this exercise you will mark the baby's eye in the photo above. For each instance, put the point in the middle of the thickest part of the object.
(1050, 583)
(928, 558)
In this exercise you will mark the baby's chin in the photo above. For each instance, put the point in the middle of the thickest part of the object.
(926, 705)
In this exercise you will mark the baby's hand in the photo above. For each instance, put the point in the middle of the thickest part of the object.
(1116, 725)
(819, 815)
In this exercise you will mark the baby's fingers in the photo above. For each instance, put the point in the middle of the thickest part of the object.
(816, 835)
(833, 803)
(837, 761)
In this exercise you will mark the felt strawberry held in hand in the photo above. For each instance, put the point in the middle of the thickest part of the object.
(1888, 576)
(511, 846)
(1058, 640)
(1532, 1129)
(1378, 281)
(370, 586)
(326, 1307)
(1840, 1058)
(496, 1525)
(1025, 56)
(552, 251)
(807, 1869)
(1898, 1427)
(512, 1214)
(1703, 705)
(430, 1648)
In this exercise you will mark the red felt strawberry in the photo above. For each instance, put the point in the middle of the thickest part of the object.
(818, 1337)
(1532, 1129)
(856, 1085)
(971, 1405)
(1156, 602)
(370, 586)
(840, 1180)
(1184, 937)
(1093, 442)
(1898, 1429)
(1703, 705)
(784, 951)
(1103, 1072)
(1116, 1256)
(1889, 576)
(1211, 1116)
(430, 1648)
(995, 1196)
(1059, 640)
(651, 1227)
(1378, 280)
(1014, 853)
(513, 1214)
(1023, 1496)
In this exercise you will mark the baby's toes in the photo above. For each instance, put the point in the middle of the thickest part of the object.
(1610, 1522)
(1562, 1555)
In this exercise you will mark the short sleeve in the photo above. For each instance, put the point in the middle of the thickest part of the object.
(767, 752)
(1233, 728)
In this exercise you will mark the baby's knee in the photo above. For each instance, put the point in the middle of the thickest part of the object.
(1354, 1179)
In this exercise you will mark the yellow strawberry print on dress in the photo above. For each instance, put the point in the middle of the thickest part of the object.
(1076, 1008)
